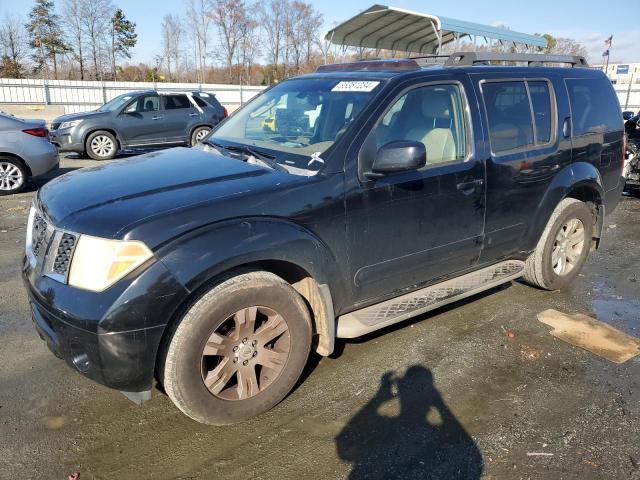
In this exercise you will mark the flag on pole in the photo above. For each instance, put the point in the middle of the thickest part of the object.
(608, 41)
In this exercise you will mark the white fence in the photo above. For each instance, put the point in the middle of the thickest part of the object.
(78, 96)
(629, 96)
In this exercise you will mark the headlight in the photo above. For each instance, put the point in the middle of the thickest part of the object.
(70, 124)
(98, 263)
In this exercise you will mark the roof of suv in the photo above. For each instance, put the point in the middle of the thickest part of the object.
(388, 68)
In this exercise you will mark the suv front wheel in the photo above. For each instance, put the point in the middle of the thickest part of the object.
(563, 247)
(238, 350)
(101, 145)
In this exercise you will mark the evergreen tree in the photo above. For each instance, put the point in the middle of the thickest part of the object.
(45, 35)
(123, 38)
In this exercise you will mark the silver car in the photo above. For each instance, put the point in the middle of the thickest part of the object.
(25, 151)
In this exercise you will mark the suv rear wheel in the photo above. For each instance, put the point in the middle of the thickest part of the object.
(199, 134)
(101, 145)
(563, 247)
(238, 350)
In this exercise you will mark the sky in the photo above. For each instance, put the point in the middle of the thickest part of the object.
(589, 21)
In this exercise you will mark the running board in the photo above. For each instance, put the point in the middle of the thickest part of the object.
(375, 317)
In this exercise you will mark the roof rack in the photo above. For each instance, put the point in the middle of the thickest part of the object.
(466, 59)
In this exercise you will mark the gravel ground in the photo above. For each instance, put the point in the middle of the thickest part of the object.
(448, 395)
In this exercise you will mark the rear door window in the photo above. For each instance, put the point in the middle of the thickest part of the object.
(509, 115)
(175, 102)
(542, 111)
(594, 107)
(521, 114)
(200, 102)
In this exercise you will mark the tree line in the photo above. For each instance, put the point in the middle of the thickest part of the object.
(211, 41)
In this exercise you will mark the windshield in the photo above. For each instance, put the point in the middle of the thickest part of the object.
(298, 120)
(115, 103)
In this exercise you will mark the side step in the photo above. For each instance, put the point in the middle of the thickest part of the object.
(375, 317)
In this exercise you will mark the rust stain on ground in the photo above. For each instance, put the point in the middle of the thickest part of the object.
(592, 335)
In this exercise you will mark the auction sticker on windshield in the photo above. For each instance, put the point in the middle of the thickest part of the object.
(355, 86)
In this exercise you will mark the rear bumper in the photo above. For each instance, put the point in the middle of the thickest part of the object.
(612, 197)
(42, 159)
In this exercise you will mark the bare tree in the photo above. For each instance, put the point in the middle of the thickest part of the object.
(199, 21)
(229, 16)
(273, 19)
(72, 18)
(172, 33)
(248, 49)
(13, 44)
(96, 15)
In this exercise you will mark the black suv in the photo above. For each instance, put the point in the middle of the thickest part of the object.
(138, 120)
(379, 190)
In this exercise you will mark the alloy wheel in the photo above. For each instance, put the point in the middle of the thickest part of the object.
(201, 135)
(102, 146)
(568, 246)
(246, 353)
(11, 177)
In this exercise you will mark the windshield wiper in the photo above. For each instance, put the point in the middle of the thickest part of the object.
(264, 158)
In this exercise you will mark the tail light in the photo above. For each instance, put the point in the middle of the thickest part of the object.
(226, 113)
(37, 132)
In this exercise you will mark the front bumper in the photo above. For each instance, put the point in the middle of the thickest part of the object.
(111, 337)
(67, 140)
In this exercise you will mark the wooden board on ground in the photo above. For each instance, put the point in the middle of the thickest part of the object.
(592, 335)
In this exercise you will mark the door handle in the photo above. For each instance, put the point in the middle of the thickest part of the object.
(566, 127)
(159, 117)
(194, 114)
(469, 186)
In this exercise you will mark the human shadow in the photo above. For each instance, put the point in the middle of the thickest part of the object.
(421, 440)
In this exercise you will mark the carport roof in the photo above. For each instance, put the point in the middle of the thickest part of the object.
(392, 28)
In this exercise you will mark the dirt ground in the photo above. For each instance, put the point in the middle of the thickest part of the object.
(477, 390)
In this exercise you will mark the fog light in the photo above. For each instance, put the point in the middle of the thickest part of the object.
(81, 362)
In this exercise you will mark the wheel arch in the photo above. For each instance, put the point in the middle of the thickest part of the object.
(19, 159)
(274, 246)
(92, 130)
(579, 180)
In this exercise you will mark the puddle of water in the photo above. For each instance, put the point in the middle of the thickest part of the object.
(621, 313)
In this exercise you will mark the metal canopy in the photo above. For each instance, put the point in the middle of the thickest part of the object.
(392, 28)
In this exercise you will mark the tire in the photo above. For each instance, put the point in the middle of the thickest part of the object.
(198, 135)
(13, 176)
(101, 145)
(213, 315)
(546, 269)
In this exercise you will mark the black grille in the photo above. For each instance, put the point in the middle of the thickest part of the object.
(64, 254)
(38, 235)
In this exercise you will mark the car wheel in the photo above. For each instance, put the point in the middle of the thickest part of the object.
(13, 176)
(563, 247)
(199, 134)
(101, 145)
(238, 350)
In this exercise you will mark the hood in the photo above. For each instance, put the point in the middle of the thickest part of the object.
(77, 116)
(108, 200)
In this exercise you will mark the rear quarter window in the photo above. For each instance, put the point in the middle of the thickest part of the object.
(200, 102)
(594, 106)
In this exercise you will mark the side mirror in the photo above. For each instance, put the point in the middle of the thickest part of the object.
(627, 115)
(398, 156)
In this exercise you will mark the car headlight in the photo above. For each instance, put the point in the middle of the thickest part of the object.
(70, 124)
(98, 263)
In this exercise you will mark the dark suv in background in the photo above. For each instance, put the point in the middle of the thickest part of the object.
(383, 189)
(138, 120)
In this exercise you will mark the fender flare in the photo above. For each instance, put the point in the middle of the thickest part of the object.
(197, 258)
(575, 177)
